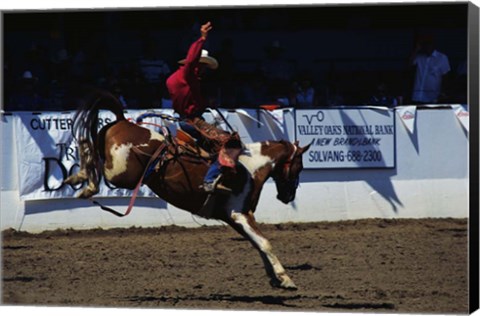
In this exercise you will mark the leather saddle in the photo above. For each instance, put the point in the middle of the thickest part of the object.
(215, 141)
(188, 143)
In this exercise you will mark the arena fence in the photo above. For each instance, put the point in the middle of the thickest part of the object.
(364, 162)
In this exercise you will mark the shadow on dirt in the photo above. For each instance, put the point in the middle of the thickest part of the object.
(303, 267)
(265, 299)
(388, 306)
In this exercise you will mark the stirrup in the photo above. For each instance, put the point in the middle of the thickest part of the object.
(220, 188)
(215, 186)
(208, 187)
(211, 188)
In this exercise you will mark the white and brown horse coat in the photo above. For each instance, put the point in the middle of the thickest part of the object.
(122, 150)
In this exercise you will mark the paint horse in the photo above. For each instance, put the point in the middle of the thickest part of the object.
(121, 150)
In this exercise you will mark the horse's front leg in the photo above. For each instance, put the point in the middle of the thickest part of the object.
(245, 224)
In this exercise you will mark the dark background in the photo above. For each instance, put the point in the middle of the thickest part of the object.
(345, 51)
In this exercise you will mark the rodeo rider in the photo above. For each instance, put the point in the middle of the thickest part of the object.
(184, 88)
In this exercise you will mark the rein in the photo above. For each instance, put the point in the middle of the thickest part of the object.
(157, 156)
(165, 130)
(153, 158)
(151, 163)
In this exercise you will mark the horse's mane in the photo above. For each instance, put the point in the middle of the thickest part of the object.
(284, 142)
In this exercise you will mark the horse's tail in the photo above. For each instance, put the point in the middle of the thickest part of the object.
(85, 121)
(85, 131)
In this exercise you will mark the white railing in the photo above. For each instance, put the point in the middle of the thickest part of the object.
(429, 178)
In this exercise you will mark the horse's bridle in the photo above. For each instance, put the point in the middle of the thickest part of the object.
(288, 164)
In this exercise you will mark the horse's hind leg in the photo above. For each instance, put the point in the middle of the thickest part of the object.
(81, 175)
(77, 178)
(245, 224)
(85, 173)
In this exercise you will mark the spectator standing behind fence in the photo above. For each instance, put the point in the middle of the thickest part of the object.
(26, 97)
(252, 90)
(431, 68)
(460, 83)
(277, 72)
(382, 97)
(224, 77)
(60, 81)
(303, 92)
(155, 71)
(36, 61)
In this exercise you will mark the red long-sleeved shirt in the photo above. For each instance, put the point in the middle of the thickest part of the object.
(184, 84)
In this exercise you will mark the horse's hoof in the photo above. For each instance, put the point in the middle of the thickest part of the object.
(70, 181)
(288, 285)
(85, 194)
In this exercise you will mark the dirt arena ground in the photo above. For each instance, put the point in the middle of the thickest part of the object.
(369, 266)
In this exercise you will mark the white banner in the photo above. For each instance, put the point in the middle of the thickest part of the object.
(242, 114)
(408, 114)
(462, 115)
(347, 138)
(216, 117)
(274, 122)
(47, 154)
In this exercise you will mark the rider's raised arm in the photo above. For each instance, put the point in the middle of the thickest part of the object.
(195, 50)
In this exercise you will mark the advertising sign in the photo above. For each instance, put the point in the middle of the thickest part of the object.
(347, 138)
(47, 154)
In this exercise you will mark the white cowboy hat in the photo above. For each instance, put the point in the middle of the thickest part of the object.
(211, 62)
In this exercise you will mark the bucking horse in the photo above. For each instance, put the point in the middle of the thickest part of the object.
(123, 151)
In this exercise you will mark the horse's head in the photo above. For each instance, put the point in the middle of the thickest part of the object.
(287, 170)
